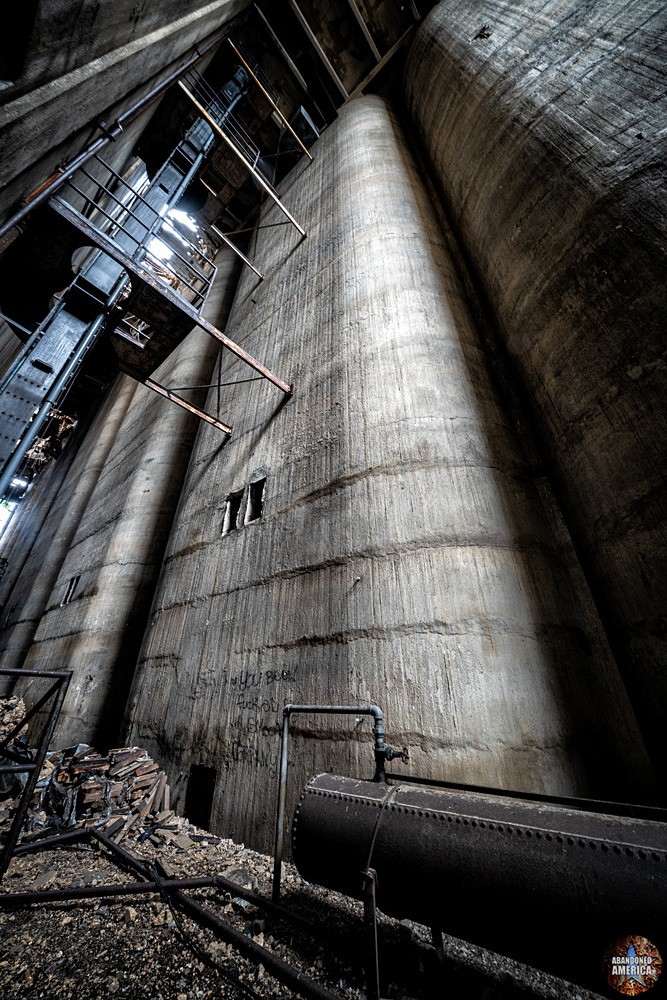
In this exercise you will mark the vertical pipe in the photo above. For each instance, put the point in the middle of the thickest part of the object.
(379, 750)
(280, 815)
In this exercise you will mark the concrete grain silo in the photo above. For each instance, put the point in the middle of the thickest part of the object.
(458, 513)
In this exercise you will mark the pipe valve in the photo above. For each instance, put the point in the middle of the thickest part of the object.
(393, 754)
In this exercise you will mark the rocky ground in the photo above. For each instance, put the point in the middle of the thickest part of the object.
(142, 948)
(138, 947)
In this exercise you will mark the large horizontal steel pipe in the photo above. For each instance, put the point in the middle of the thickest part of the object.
(548, 885)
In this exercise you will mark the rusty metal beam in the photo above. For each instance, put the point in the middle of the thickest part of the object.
(302, 985)
(269, 98)
(9, 899)
(226, 239)
(237, 152)
(364, 27)
(318, 48)
(132, 267)
(236, 250)
(359, 89)
(175, 398)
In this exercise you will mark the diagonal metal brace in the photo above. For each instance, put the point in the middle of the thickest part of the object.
(112, 250)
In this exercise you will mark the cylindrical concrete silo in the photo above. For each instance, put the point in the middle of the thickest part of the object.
(48, 525)
(377, 538)
(99, 605)
(545, 125)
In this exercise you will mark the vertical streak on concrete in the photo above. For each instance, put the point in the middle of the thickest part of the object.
(99, 605)
(403, 555)
(544, 123)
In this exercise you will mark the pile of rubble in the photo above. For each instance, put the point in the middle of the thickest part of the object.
(12, 710)
(119, 792)
(122, 791)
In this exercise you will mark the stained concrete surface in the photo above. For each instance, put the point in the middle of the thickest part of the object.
(88, 602)
(403, 556)
(545, 126)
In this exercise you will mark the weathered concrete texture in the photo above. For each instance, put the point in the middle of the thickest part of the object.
(93, 616)
(403, 556)
(545, 123)
(36, 552)
(83, 72)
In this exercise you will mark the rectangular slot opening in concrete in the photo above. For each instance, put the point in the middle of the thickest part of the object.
(232, 510)
(255, 500)
(199, 795)
(71, 591)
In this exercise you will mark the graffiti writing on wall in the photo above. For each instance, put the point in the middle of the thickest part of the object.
(256, 722)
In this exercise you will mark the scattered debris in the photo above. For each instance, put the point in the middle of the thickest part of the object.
(146, 950)
(122, 792)
(12, 710)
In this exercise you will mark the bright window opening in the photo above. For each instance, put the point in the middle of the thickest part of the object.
(232, 510)
(255, 501)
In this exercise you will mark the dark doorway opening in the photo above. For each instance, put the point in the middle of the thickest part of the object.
(199, 795)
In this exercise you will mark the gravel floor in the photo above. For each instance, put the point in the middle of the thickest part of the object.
(136, 947)
(139, 947)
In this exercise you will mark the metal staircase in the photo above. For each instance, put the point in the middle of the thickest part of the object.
(138, 277)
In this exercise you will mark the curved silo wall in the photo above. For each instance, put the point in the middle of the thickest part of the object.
(545, 126)
(98, 606)
(402, 556)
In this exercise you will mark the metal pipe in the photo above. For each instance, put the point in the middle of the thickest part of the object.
(57, 179)
(236, 250)
(175, 398)
(232, 145)
(288, 710)
(281, 970)
(287, 974)
(9, 899)
(44, 843)
(270, 98)
(542, 883)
